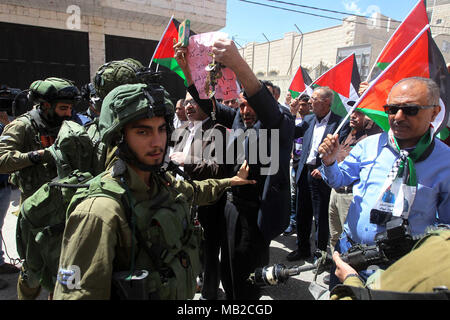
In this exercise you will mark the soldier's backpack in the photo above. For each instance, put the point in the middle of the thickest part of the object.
(41, 223)
(72, 150)
(42, 215)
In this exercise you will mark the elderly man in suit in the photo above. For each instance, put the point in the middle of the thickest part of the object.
(313, 195)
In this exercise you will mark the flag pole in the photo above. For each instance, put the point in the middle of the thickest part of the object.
(309, 86)
(159, 43)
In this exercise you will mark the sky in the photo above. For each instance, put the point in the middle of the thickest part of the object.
(247, 22)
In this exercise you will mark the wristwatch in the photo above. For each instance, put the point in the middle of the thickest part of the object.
(354, 275)
(35, 157)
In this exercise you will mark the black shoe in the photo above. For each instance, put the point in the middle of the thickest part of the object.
(298, 255)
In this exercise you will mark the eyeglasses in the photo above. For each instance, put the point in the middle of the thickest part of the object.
(190, 101)
(408, 109)
(316, 98)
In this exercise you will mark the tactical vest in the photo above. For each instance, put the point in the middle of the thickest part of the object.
(29, 179)
(167, 243)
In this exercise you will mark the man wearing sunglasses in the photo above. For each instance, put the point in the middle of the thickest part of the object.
(399, 174)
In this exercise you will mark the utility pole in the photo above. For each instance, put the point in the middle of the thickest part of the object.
(268, 54)
(301, 48)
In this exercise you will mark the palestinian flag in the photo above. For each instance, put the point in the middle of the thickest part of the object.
(300, 83)
(421, 58)
(344, 80)
(414, 22)
(164, 53)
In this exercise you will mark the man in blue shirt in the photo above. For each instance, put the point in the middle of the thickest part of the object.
(373, 166)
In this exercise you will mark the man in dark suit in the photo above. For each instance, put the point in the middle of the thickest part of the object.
(200, 157)
(257, 214)
(313, 195)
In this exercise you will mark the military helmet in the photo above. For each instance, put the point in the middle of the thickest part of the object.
(53, 89)
(116, 73)
(130, 102)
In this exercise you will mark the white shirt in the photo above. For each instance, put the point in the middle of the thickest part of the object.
(193, 127)
(319, 130)
(177, 122)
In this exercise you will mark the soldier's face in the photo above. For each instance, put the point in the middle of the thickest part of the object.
(147, 139)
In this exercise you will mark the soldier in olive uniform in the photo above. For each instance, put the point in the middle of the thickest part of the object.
(135, 223)
(25, 141)
(24, 147)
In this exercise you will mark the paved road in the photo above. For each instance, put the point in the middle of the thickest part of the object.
(295, 288)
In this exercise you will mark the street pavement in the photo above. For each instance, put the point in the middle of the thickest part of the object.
(296, 288)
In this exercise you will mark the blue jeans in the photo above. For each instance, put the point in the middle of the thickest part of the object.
(5, 195)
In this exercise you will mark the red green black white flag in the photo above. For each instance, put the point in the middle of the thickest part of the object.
(300, 83)
(421, 58)
(414, 22)
(344, 80)
(164, 52)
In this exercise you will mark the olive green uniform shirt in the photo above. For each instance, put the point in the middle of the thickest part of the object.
(97, 237)
(19, 138)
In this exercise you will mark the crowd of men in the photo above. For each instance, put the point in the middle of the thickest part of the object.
(164, 215)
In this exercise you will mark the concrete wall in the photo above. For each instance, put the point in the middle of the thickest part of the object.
(440, 22)
(318, 51)
(142, 19)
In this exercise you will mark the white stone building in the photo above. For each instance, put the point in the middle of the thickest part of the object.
(37, 33)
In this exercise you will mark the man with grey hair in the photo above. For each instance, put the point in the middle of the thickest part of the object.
(399, 176)
(313, 194)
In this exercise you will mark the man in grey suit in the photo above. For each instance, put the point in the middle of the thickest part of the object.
(313, 194)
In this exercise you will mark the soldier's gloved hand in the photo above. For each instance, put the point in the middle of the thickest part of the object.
(46, 156)
(40, 156)
(241, 177)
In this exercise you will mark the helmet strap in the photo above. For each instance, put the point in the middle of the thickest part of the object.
(126, 154)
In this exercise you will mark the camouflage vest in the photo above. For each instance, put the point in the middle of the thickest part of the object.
(29, 179)
(167, 241)
(99, 148)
